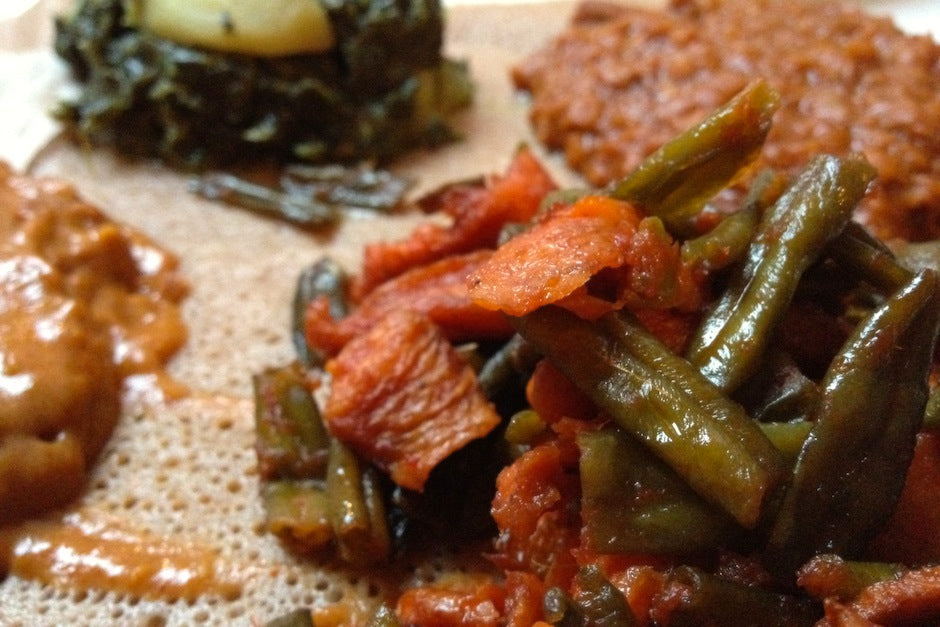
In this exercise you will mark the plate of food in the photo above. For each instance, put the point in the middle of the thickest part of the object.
(401, 313)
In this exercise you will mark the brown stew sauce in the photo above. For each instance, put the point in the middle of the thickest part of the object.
(89, 314)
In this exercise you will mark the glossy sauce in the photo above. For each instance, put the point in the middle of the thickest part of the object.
(86, 304)
(86, 552)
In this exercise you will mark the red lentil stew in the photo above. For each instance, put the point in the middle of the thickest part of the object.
(620, 81)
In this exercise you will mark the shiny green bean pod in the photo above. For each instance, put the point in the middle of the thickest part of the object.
(854, 462)
(932, 411)
(632, 502)
(662, 400)
(778, 391)
(676, 181)
(597, 603)
(524, 427)
(356, 507)
(298, 513)
(323, 278)
(869, 259)
(733, 338)
(347, 187)
(698, 598)
(728, 242)
(290, 439)
(513, 360)
(788, 436)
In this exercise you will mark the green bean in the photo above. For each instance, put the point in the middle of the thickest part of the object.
(323, 278)
(778, 391)
(815, 209)
(297, 512)
(698, 598)
(356, 507)
(868, 258)
(678, 179)
(666, 403)
(727, 243)
(932, 411)
(513, 360)
(788, 436)
(853, 465)
(634, 503)
(290, 439)
(563, 196)
(597, 603)
(524, 427)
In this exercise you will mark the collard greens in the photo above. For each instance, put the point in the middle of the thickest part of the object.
(384, 88)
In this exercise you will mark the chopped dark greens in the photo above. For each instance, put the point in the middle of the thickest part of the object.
(308, 196)
(385, 88)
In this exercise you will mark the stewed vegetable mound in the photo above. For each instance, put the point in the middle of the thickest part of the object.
(649, 410)
(215, 84)
(86, 305)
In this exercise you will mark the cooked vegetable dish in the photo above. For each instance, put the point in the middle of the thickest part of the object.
(621, 80)
(332, 81)
(86, 306)
(659, 413)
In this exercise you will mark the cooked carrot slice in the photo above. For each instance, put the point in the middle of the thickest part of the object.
(556, 256)
(478, 213)
(402, 397)
(438, 290)
(640, 584)
(524, 595)
(470, 601)
(911, 599)
(537, 531)
(554, 397)
(913, 534)
(594, 256)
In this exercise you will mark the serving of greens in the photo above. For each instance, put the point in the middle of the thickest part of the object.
(380, 86)
(704, 417)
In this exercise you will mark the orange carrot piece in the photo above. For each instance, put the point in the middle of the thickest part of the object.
(640, 585)
(460, 600)
(402, 397)
(438, 290)
(537, 531)
(553, 396)
(478, 213)
(556, 256)
(843, 615)
(524, 595)
(911, 599)
(594, 256)
(912, 536)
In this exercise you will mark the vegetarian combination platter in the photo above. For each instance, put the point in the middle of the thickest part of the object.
(332, 312)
